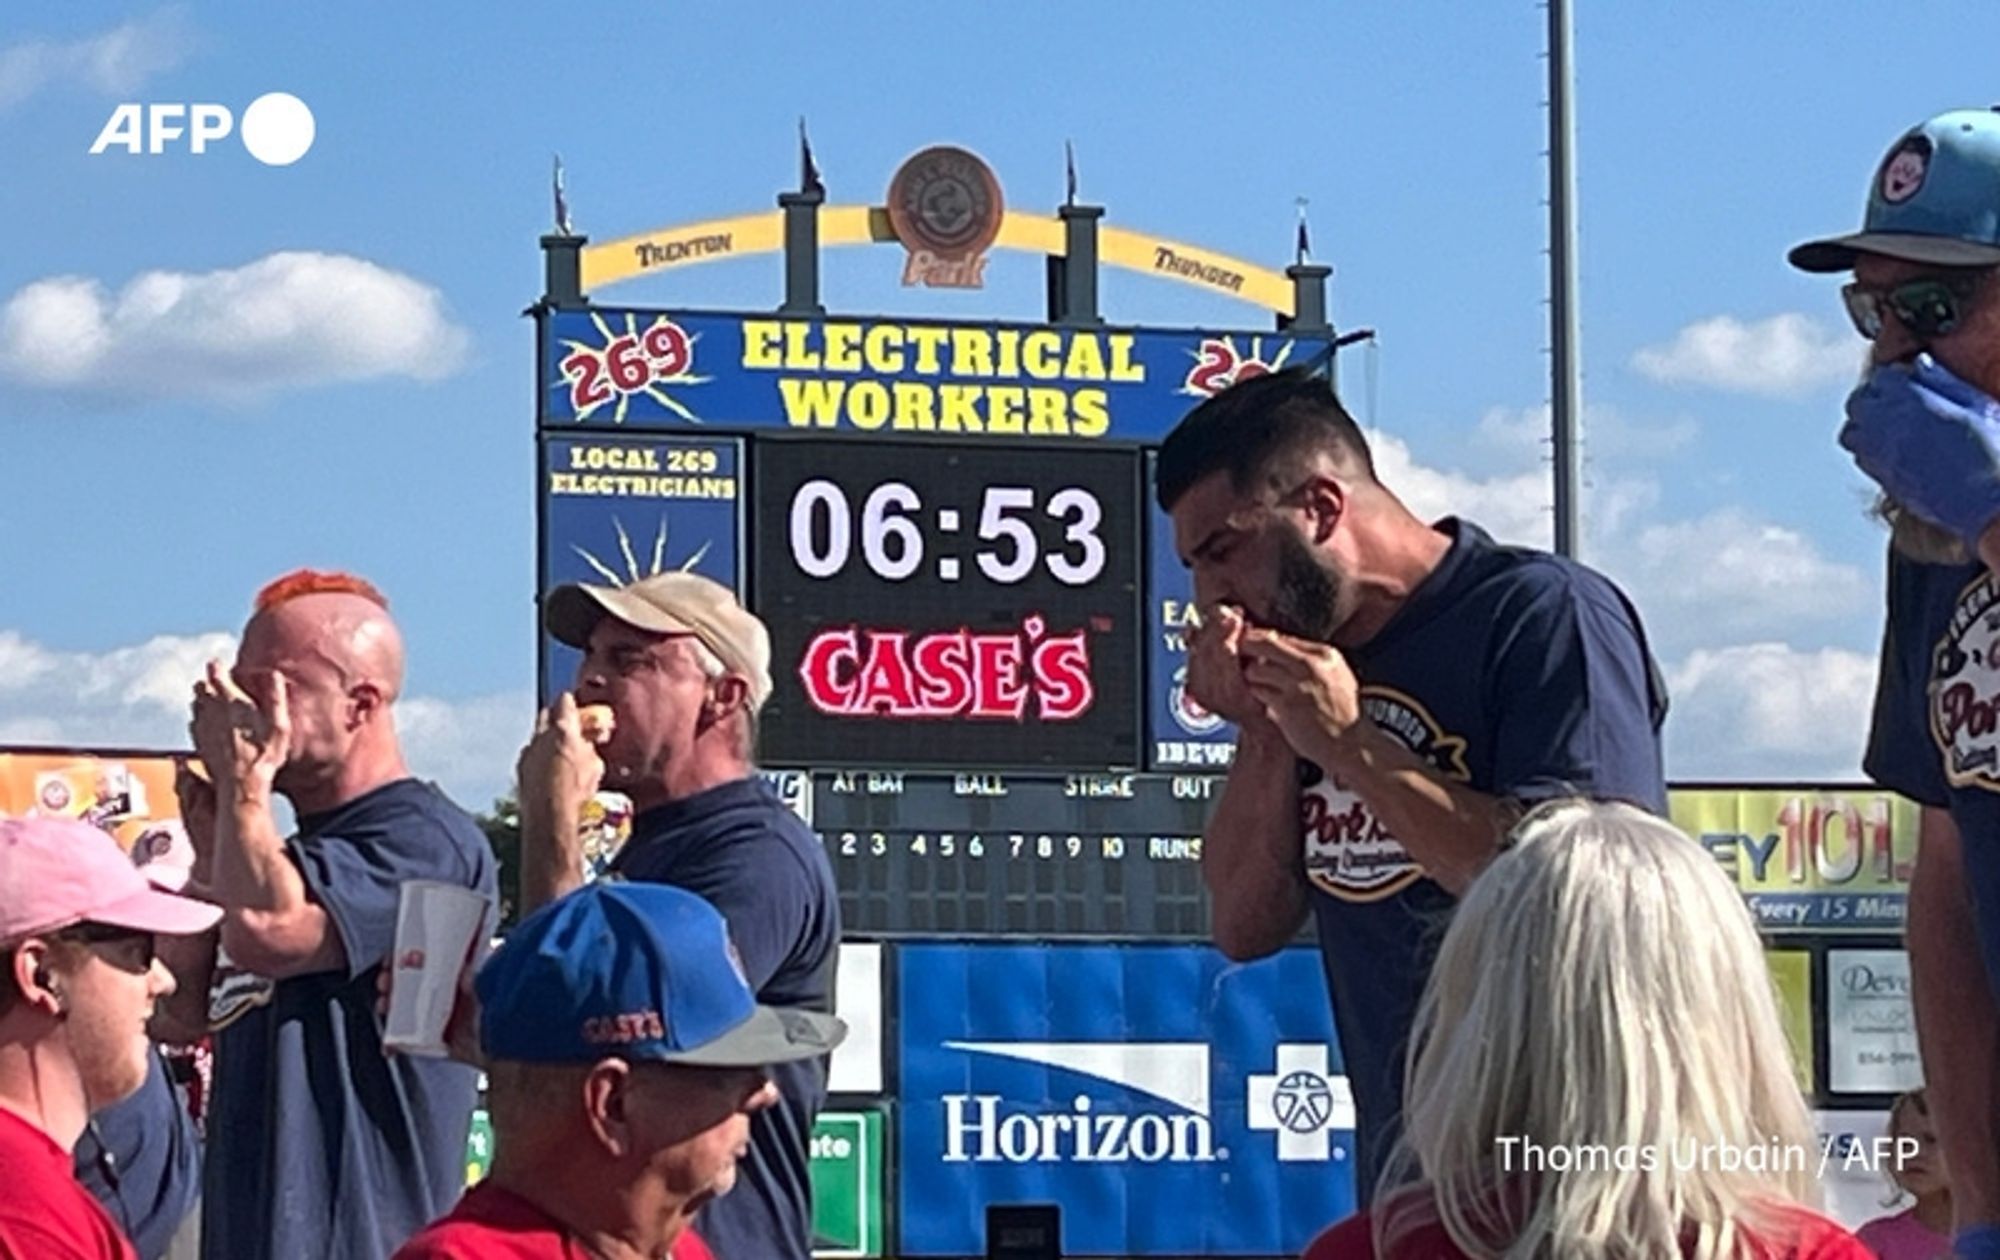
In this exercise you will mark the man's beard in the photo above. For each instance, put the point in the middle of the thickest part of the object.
(1306, 603)
(1918, 539)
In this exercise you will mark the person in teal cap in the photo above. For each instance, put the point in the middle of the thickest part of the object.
(1924, 424)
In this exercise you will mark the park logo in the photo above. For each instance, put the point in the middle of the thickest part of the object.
(945, 207)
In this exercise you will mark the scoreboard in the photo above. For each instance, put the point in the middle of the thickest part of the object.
(976, 611)
(979, 706)
(1077, 856)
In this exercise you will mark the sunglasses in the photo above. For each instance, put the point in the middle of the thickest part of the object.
(1930, 307)
(137, 948)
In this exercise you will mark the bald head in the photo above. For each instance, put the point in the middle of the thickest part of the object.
(332, 640)
(349, 634)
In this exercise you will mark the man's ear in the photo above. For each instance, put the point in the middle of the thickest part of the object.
(1325, 504)
(33, 976)
(364, 701)
(607, 1101)
(726, 695)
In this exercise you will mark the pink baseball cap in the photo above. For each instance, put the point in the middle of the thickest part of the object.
(164, 854)
(57, 872)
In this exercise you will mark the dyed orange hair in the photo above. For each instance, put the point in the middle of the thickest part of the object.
(313, 582)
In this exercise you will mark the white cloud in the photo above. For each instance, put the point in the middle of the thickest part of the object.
(289, 320)
(133, 696)
(1729, 574)
(116, 63)
(1726, 576)
(467, 746)
(1785, 356)
(1717, 593)
(1514, 508)
(137, 697)
(1769, 711)
(1608, 433)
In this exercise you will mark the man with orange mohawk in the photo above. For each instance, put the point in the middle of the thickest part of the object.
(319, 1143)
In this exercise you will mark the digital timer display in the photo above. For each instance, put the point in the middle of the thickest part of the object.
(949, 604)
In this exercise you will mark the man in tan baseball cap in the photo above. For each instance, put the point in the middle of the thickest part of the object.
(683, 668)
(671, 604)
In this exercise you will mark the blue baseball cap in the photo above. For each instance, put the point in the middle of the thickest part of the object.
(634, 971)
(1935, 199)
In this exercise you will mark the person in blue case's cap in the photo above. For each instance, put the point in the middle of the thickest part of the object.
(625, 1055)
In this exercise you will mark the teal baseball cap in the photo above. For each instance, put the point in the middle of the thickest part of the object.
(1935, 199)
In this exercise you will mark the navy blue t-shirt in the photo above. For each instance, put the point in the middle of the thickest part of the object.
(141, 1158)
(1935, 736)
(320, 1144)
(1516, 672)
(755, 861)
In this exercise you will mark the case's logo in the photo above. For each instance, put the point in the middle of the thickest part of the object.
(854, 671)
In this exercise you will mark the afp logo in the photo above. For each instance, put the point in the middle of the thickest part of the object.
(277, 128)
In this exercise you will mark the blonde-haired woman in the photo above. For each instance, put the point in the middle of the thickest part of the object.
(1597, 1067)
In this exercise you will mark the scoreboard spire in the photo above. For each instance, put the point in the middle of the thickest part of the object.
(563, 226)
(809, 180)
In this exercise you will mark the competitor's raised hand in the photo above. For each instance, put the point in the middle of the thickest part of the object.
(243, 739)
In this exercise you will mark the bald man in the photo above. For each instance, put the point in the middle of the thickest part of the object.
(319, 1144)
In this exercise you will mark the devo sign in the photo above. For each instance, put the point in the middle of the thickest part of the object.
(950, 605)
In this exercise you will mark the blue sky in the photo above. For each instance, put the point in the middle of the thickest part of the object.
(150, 490)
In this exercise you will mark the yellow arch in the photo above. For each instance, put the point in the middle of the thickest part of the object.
(715, 239)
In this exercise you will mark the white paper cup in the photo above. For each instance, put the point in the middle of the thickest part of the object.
(437, 929)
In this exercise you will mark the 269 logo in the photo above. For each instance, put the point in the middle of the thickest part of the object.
(1218, 364)
(631, 363)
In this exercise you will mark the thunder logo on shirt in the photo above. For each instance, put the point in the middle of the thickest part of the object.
(1349, 854)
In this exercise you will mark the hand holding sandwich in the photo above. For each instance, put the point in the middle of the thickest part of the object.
(1306, 689)
(558, 772)
(242, 738)
(1215, 665)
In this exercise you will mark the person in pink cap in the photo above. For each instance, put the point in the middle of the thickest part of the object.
(78, 982)
(141, 1156)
